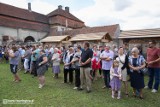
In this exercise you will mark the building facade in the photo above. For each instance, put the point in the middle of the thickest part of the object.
(140, 38)
(21, 25)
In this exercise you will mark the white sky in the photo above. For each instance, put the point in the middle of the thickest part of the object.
(130, 14)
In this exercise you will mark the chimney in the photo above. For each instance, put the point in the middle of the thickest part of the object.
(67, 9)
(60, 7)
(29, 7)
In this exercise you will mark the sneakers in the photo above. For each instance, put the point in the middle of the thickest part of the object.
(146, 87)
(118, 98)
(112, 96)
(40, 86)
(103, 87)
(154, 91)
(75, 88)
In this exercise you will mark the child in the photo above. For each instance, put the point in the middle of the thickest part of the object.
(115, 75)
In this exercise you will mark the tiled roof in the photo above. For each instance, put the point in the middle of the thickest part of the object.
(62, 12)
(112, 30)
(17, 23)
(11, 11)
(143, 33)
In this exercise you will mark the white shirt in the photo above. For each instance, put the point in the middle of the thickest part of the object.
(121, 59)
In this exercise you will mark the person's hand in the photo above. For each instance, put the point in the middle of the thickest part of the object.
(103, 58)
(66, 64)
(23, 56)
(151, 62)
(134, 69)
(72, 62)
(82, 63)
(39, 64)
(120, 77)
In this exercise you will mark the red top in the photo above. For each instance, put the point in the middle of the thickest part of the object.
(152, 55)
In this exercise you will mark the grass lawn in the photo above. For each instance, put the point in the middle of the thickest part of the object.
(56, 94)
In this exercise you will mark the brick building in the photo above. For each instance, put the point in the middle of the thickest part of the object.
(26, 25)
(112, 30)
(62, 20)
(140, 38)
(21, 25)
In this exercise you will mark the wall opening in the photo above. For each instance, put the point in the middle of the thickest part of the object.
(29, 39)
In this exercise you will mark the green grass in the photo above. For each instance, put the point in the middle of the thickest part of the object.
(56, 94)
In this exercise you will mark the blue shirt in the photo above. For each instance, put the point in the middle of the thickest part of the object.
(106, 65)
(35, 55)
(15, 59)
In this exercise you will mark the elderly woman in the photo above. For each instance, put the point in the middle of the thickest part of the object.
(76, 66)
(56, 63)
(136, 64)
(42, 67)
(123, 62)
(67, 65)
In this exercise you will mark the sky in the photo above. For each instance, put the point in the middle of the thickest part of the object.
(129, 14)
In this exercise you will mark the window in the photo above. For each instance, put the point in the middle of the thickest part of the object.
(5, 38)
(63, 29)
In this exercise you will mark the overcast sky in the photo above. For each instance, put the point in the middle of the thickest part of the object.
(130, 14)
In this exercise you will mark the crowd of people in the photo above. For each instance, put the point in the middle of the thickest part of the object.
(114, 65)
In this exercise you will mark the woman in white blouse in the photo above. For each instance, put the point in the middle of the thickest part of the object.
(123, 61)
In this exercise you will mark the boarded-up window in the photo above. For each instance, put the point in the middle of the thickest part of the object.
(5, 38)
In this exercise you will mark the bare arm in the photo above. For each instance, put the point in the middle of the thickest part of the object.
(11, 55)
(45, 59)
(142, 66)
(54, 57)
(157, 60)
(130, 66)
(73, 61)
(108, 59)
(88, 61)
(137, 68)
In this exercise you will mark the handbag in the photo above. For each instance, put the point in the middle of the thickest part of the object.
(143, 70)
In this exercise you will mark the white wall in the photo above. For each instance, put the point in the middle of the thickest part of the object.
(23, 33)
(20, 33)
(59, 28)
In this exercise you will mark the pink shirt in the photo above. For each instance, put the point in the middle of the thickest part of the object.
(152, 55)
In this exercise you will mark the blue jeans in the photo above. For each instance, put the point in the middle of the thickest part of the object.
(154, 74)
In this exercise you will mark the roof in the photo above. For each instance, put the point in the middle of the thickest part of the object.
(11, 11)
(64, 13)
(143, 33)
(111, 29)
(90, 36)
(16, 23)
(54, 38)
